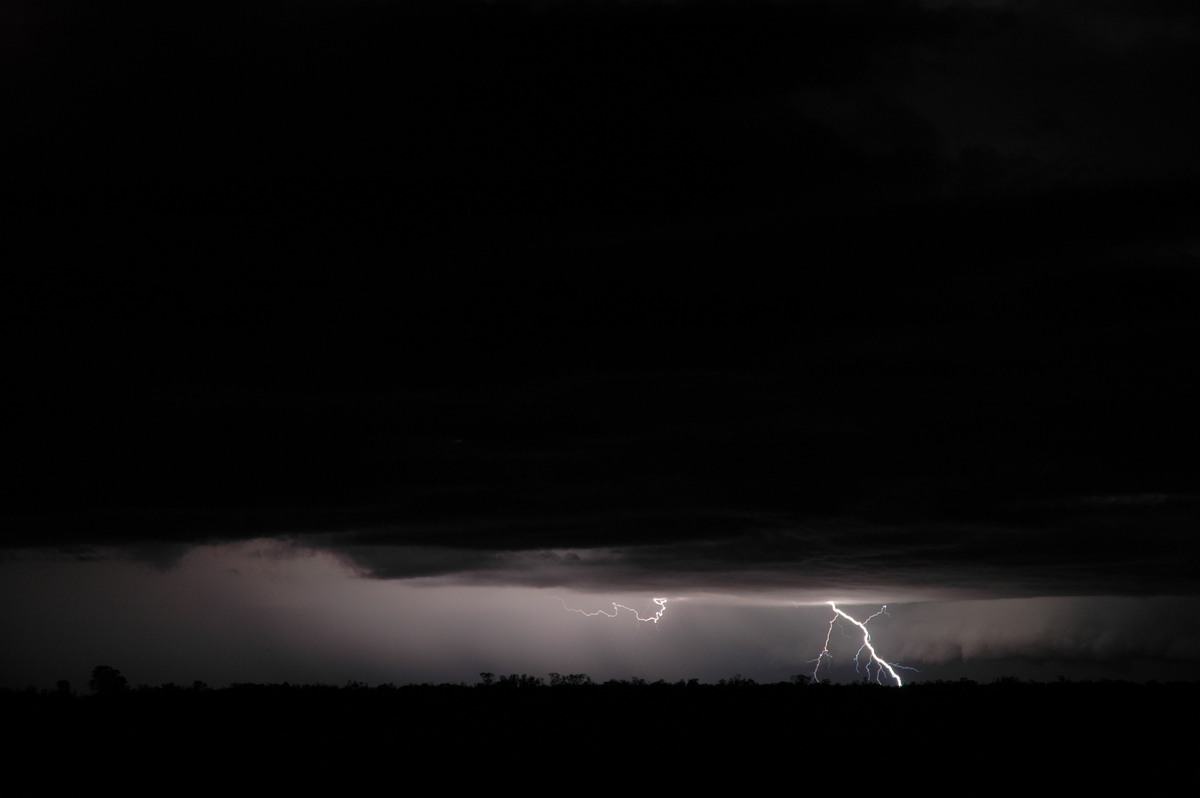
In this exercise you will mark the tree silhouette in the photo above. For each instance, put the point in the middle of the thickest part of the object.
(570, 680)
(107, 680)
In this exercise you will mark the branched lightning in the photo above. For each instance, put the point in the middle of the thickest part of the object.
(881, 664)
(661, 602)
(862, 662)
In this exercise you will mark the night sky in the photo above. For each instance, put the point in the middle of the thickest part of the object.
(354, 340)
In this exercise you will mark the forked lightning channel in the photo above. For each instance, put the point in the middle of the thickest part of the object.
(881, 665)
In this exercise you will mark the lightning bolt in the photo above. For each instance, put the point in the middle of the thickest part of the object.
(872, 656)
(661, 602)
(881, 664)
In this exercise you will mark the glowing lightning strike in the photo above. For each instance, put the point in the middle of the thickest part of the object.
(661, 602)
(881, 664)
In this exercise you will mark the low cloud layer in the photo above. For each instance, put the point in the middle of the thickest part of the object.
(1141, 556)
(265, 611)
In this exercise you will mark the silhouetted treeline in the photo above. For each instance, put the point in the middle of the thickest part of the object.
(658, 735)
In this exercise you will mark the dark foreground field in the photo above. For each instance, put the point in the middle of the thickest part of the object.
(518, 733)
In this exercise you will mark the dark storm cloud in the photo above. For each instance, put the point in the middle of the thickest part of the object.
(1028, 435)
(823, 101)
(1022, 433)
(822, 293)
(1135, 555)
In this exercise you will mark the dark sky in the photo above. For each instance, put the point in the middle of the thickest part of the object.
(342, 340)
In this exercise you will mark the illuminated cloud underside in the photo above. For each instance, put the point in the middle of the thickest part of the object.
(265, 611)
